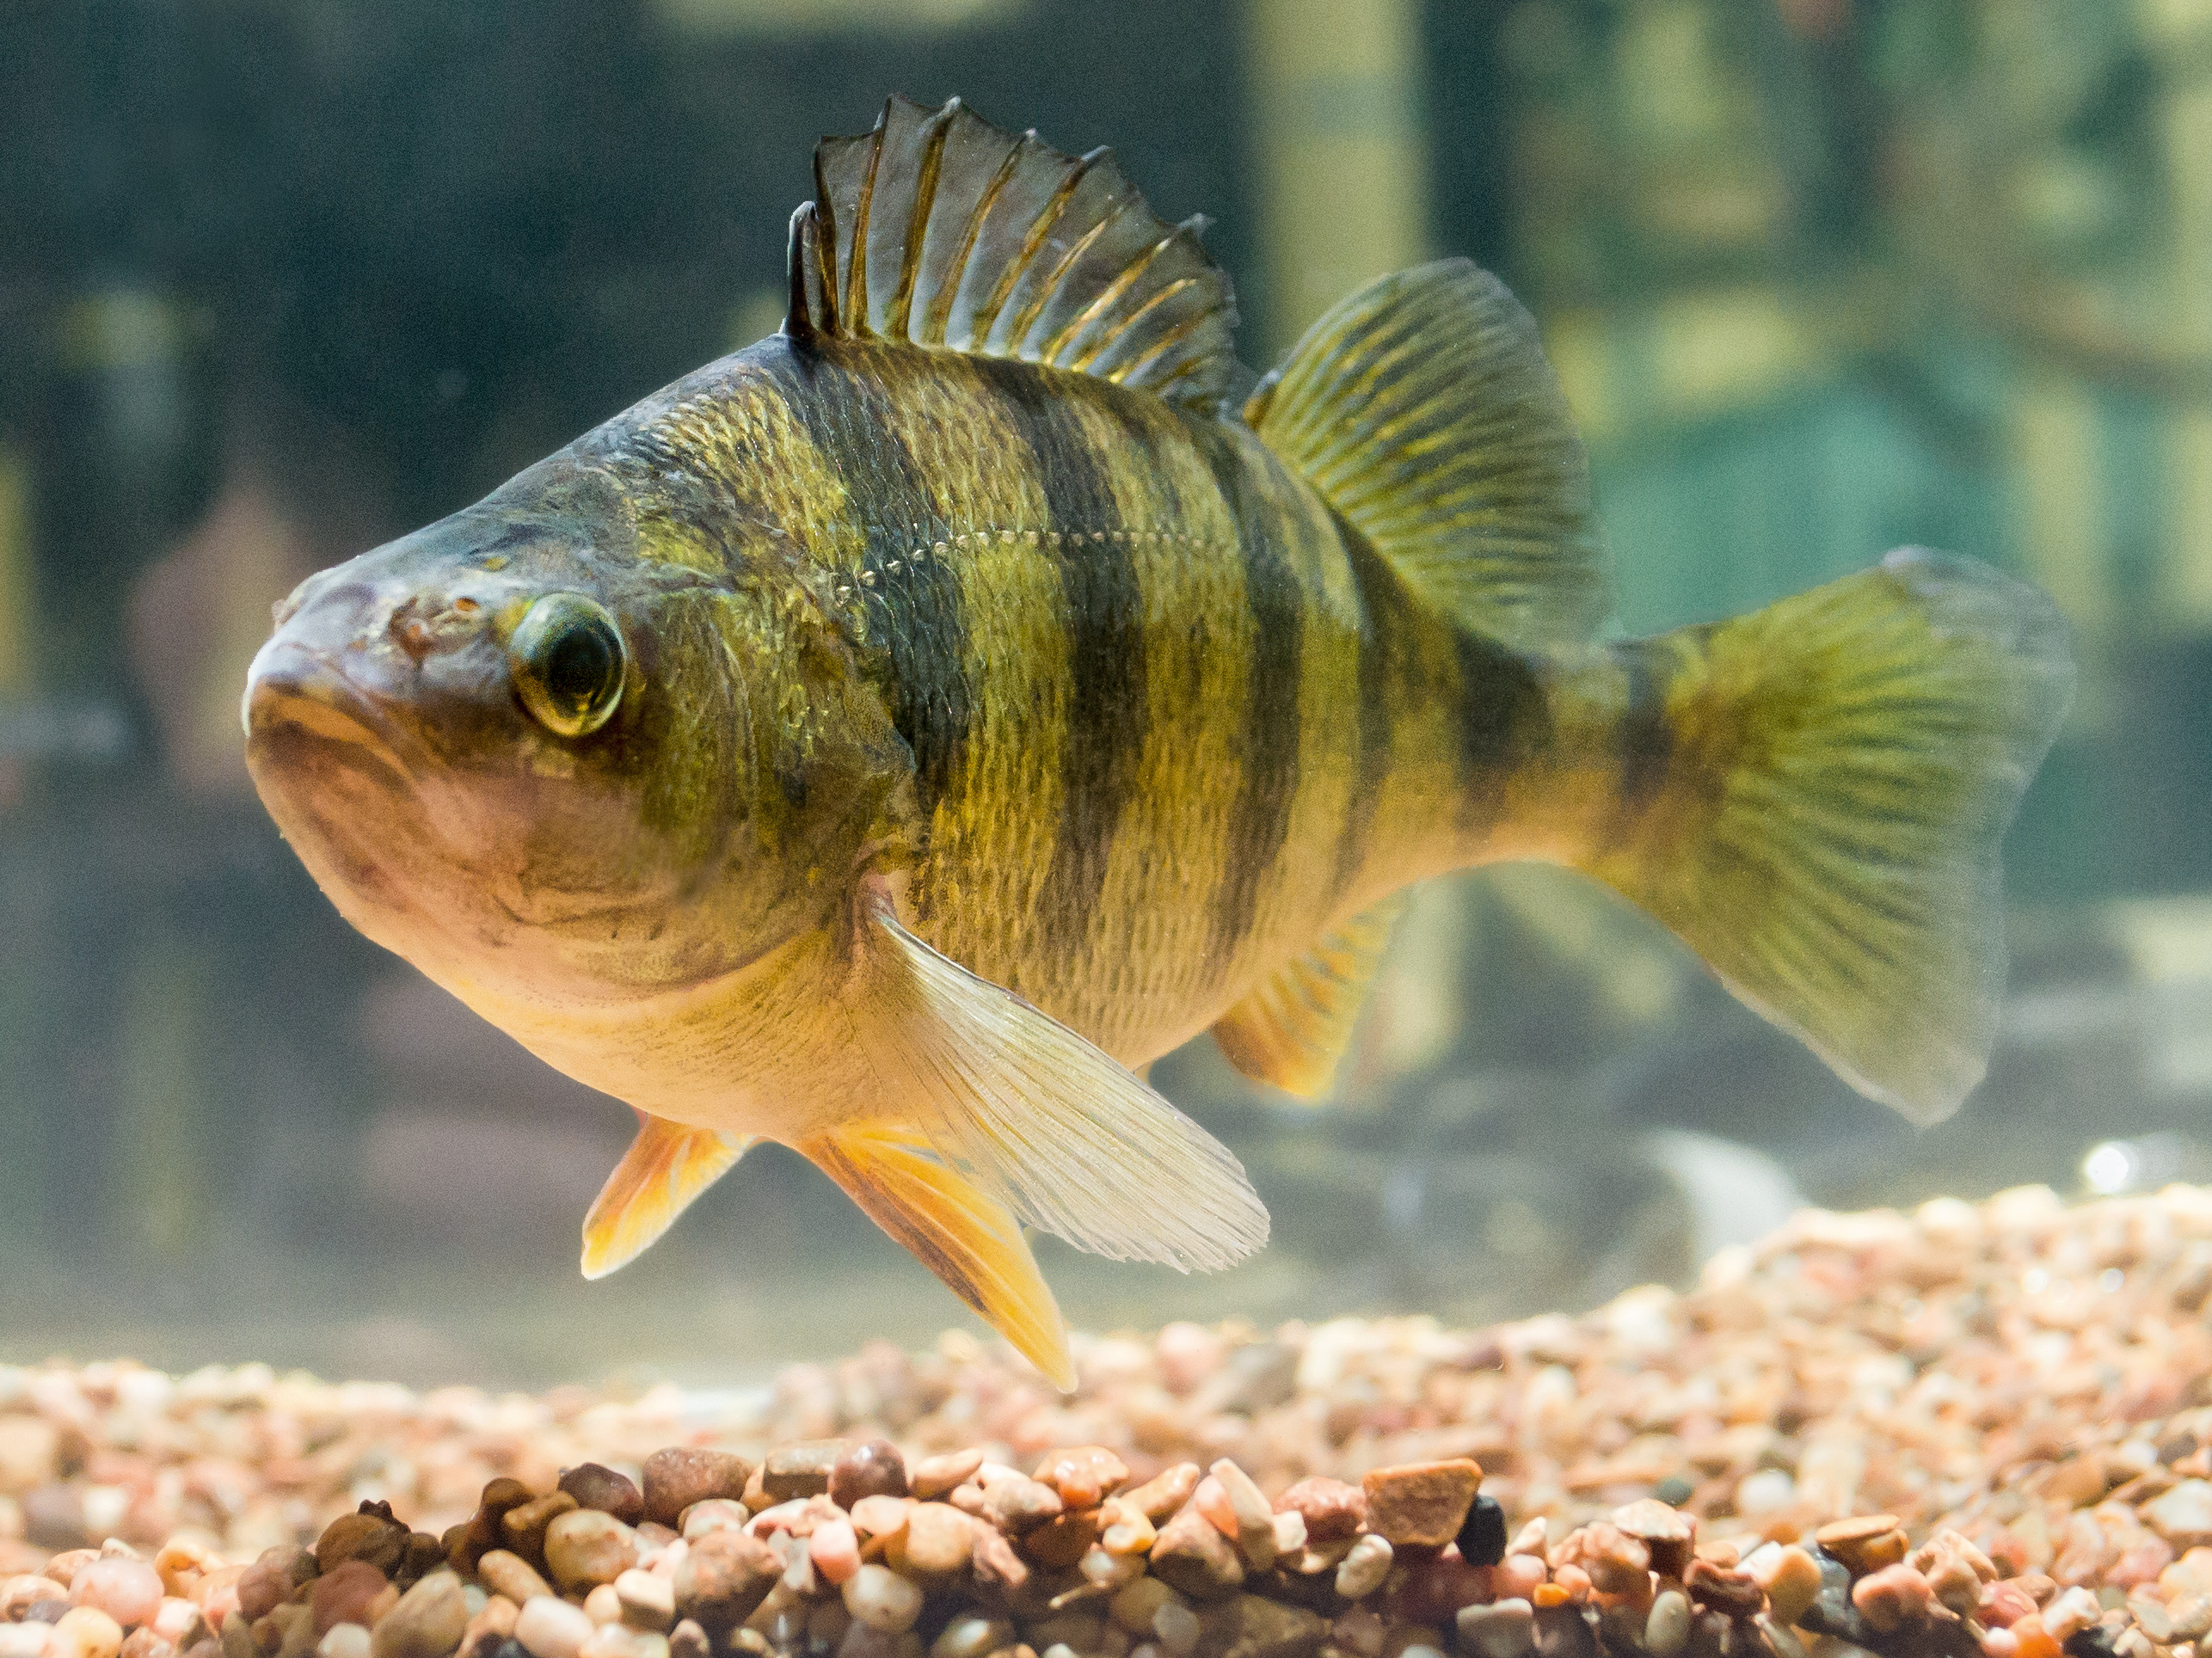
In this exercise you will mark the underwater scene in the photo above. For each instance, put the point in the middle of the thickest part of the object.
(1022, 829)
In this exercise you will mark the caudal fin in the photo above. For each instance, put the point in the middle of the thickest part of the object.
(1823, 787)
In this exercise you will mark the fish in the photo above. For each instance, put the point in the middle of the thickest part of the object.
(890, 738)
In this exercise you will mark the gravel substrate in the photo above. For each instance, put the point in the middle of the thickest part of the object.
(1977, 1430)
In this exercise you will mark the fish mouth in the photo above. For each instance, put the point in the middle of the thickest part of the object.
(300, 703)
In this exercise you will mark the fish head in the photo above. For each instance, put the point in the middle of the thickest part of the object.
(512, 750)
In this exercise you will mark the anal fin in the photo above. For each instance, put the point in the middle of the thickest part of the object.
(956, 1229)
(666, 1166)
(1293, 1029)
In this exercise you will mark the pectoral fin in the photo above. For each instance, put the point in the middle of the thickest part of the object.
(957, 1231)
(1058, 1132)
(666, 1166)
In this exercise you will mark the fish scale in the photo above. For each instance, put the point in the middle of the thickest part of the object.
(885, 738)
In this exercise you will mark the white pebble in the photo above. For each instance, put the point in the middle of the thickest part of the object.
(714, 1514)
(603, 1605)
(882, 1600)
(1506, 1629)
(1667, 1627)
(648, 1599)
(1419, 1650)
(1177, 1627)
(972, 1635)
(344, 1641)
(1058, 1650)
(1363, 1569)
(620, 1641)
(551, 1628)
(23, 1640)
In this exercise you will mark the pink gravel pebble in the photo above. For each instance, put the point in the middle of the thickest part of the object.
(835, 1550)
(129, 1591)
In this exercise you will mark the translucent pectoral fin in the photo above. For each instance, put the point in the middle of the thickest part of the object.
(959, 1231)
(666, 1166)
(1062, 1134)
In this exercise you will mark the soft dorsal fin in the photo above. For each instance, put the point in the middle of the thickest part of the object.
(1293, 1029)
(939, 230)
(1423, 409)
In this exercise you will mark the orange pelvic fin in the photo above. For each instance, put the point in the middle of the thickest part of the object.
(1293, 1029)
(666, 1166)
(961, 1233)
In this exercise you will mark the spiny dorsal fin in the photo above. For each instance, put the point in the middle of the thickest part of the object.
(1423, 409)
(939, 230)
(1293, 1029)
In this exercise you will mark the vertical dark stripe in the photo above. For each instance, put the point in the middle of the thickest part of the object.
(1104, 608)
(1384, 606)
(1504, 721)
(914, 611)
(1268, 754)
(1646, 738)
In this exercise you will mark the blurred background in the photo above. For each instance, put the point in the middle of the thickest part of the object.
(282, 279)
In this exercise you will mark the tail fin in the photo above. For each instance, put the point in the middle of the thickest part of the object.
(1823, 787)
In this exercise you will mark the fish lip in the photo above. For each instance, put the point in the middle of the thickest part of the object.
(324, 701)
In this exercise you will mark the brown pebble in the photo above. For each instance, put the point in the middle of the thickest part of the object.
(1252, 1626)
(1865, 1543)
(522, 1528)
(375, 1538)
(1084, 1476)
(1061, 1541)
(688, 1639)
(587, 1547)
(1722, 1588)
(937, 1541)
(1165, 1492)
(144, 1643)
(1016, 1503)
(481, 1532)
(935, 1476)
(269, 1582)
(1332, 1509)
(1668, 1533)
(873, 1468)
(682, 1475)
(504, 1572)
(1617, 1563)
(597, 1486)
(801, 1470)
(725, 1575)
(1192, 1555)
(1422, 1503)
(353, 1591)
(1000, 1574)
(427, 1622)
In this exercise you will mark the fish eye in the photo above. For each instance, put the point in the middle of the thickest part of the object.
(568, 661)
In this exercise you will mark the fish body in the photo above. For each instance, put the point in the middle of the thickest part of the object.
(885, 738)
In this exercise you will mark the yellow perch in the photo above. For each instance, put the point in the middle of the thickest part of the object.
(886, 737)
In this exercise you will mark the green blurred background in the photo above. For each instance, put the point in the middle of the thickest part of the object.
(282, 279)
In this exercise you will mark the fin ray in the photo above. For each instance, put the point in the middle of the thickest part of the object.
(938, 230)
(958, 1232)
(1839, 769)
(667, 1165)
(1423, 409)
(1292, 1030)
(1063, 1135)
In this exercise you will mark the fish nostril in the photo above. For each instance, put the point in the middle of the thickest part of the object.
(412, 633)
